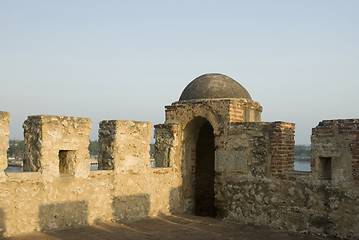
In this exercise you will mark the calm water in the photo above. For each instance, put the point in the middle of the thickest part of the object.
(93, 167)
(19, 169)
(13, 169)
(302, 165)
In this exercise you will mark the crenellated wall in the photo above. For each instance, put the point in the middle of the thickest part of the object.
(254, 178)
(4, 142)
(270, 193)
(229, 110)
(214, 158)
(57, 145)
(58, 190)
(124, 146)
(282, 148)
(335, 150)
(252, 182)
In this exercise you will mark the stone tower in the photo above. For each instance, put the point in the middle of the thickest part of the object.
(194, 138)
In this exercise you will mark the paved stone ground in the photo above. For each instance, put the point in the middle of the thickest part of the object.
(167, 227)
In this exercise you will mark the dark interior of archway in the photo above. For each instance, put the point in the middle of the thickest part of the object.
(204, 190)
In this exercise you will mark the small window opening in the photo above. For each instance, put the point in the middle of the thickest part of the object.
(325, 168)
(93, 150)
(152, 155)
(302, 158)
(15, 156)
(66, 162)
(247, 114)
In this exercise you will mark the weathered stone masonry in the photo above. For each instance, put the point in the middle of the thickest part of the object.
(4, 141)
(282, 148)
(59, 191)
(254, 181)
(335, 152)
(214, 157)
(57, 145)
(295, 201)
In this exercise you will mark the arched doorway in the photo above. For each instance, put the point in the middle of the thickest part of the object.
(204, 172)
(197, 168)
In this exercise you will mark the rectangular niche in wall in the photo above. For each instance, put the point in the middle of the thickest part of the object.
(325, 168)
(247, 114)
(67, 162)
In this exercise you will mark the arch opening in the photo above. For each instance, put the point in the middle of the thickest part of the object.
(197, 167)
(204, 172)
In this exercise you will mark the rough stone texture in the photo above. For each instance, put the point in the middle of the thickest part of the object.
(57, 145)
(166, 136)
(301, 202)
(337, 142)
(301, 205)
(217, 111)
(242, 110)
(188, 117)
(217, 157)
(34, 201)
(31, 203)
(254, 179)
(167, 227)
(282, 147)
(124, 145)
(4, 141)
(246, 149)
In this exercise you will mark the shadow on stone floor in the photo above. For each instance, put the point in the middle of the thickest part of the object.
(167, 227)
(2, 222)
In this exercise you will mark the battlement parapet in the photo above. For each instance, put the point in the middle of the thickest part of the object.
(124, 146)
(57, 145)
(57, 189)
(4, 141)
(215, 158)
(335, 150)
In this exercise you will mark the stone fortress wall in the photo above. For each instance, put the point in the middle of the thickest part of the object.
(58, 190)
(214, 157)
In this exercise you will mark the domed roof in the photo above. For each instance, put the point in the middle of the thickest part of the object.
(214, 85)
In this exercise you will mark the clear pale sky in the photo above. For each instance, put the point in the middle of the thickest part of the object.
(126, 60)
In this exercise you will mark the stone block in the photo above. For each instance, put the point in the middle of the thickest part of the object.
(231, 161)
(166, 145)
(4, 140)
(57, 145)
(124, 146)
(335, 141)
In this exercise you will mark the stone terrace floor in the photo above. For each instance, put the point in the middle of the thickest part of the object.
(167, 227)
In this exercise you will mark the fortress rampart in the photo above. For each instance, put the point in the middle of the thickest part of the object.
(214, 157)
(58, 190)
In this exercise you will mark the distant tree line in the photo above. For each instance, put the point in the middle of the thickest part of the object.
(152, 150)
(93, 148)
(302, 151)
(17, 149)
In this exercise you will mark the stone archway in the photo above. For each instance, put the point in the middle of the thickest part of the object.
(204, 172)
(197, 167)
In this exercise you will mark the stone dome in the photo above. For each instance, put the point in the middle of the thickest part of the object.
(214, 85)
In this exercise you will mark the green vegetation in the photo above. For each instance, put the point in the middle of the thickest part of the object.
(93, 148)
(302, 151)
(152, 150)
(16, 149)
